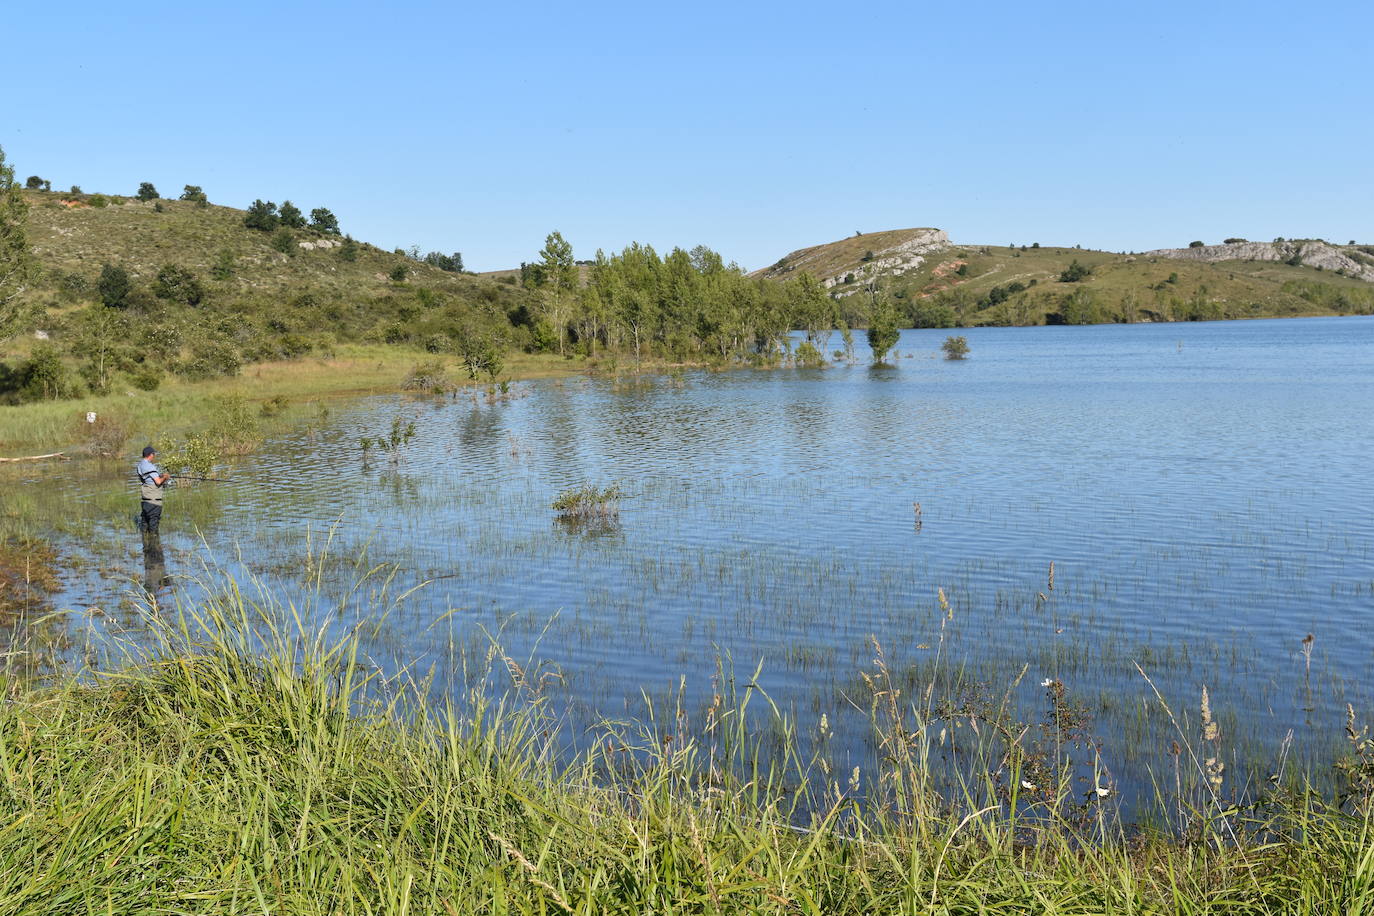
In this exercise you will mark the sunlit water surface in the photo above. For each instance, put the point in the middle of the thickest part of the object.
(1204, 492)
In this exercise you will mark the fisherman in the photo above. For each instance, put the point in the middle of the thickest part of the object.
(151, 480)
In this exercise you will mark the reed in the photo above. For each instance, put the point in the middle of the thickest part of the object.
(252, 758)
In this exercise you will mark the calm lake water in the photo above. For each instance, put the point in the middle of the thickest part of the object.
(1204, 492)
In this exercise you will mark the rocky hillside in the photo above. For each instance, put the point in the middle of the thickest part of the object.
(936, 282)
(1350, 260)
(861, 257)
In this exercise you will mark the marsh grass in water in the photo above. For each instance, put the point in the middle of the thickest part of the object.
(589, 501)
(252, 758)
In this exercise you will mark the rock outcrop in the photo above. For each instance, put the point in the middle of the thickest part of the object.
(1307, 252)
(862, 257)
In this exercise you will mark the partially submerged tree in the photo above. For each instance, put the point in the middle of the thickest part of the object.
(882, 329)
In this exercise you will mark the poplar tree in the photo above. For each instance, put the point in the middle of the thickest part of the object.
(16, 264)
(558, 278)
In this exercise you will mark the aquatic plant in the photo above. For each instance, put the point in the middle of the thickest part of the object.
(588, 502)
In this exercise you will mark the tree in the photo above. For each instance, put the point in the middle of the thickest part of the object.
(1195, 244)
(193, 193)
(113, 286)
(291, 216)
(147, 192)
(16, 263)
(33, 183)
(261, 215)
(558, 274)
(321, 220)
(955, 347)
(452, 263)
(882, 329)
(398, 273)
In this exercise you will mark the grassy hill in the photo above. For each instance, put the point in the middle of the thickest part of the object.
(206, 296)
(939, 283)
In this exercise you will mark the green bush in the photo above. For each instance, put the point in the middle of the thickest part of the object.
(178, 284)
(398, 273)
(1075, 272)
(113, 286)
(955, 347)
(284, 240)
(808, 357)
(146, 376)
(147, 192)
(98, 200)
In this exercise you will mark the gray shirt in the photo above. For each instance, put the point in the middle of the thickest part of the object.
(147, 481)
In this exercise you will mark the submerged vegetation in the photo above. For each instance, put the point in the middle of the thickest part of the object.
(249, 761)
(588, 501)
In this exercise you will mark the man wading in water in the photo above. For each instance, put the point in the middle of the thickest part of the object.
(151, 480)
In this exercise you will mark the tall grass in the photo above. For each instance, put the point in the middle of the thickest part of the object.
(252, 759)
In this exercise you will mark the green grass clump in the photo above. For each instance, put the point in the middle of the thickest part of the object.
(588, 501)
(250, 764)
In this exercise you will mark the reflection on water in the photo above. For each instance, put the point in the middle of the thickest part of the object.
(1202, 491)
(156, 582)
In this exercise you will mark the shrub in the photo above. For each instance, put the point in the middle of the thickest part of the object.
(44, 377)
(98, 201)
(1173, 278)
(107, 436)
(33, 183)
(431, 376)
(1195, 244)
(955, 347)
(284, 240)
(1235, 241)
(223, 268)
(1295, 260)
(147, 192)
(178, 284)
(113, 286)
(438, 343)
(808, 357)
(1075, 272)
(146, 376)
(211, 358)
(193, 192)
(398, 273)
(261, 215)
(349, 250)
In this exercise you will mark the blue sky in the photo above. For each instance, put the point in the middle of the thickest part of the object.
(752, 128)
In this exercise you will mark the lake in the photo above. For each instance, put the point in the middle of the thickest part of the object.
(1203, 492)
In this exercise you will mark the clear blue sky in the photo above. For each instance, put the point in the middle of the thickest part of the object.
(752, 128)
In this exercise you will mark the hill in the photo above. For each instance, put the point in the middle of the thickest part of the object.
(938, 283)
(203, 294)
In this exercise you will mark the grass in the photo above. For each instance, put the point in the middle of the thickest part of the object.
(180, 406)
(248, 762)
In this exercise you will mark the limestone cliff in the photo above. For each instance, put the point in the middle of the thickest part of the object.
(1307, 252)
